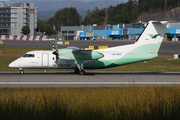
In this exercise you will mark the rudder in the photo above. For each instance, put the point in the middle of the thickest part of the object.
(151, 38)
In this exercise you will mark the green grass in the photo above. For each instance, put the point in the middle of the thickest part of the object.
(125, 103)
(7, 55)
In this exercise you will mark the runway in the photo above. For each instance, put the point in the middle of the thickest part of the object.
(91, 79)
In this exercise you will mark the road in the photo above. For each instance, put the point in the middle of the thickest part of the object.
(167, 47)
(91, 79)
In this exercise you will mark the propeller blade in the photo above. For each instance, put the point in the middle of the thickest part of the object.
(55, 49)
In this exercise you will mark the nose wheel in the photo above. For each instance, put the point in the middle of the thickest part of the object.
(21, 71)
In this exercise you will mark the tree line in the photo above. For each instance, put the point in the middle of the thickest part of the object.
(122, 13)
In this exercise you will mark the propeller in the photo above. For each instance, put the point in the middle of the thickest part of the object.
(55, 49)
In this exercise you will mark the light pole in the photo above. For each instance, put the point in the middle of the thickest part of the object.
(165, 7)
(60, 30)
(106, 12)
(106, 20)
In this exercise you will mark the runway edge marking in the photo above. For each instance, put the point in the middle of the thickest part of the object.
(88, 83)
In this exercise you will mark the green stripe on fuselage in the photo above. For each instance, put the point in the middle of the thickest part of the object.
(142, 53)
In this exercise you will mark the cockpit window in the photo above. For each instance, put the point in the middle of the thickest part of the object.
(28, 55)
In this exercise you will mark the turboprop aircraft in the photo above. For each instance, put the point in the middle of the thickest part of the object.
(144, 49)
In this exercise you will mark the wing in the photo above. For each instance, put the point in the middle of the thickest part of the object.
(79, 55)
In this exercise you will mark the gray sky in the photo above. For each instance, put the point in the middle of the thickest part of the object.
(16, 1)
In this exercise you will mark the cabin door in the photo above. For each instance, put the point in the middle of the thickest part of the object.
(45, 59)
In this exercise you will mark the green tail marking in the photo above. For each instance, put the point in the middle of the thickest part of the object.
(154, 36)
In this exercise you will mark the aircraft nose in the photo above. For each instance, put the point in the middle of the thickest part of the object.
(11, 65)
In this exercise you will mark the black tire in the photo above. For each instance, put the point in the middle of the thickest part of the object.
(76, 71)
(82, 72)
(21, 71)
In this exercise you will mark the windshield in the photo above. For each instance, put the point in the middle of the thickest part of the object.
(28, 55)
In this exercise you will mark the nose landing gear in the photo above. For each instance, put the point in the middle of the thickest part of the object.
(21, 71)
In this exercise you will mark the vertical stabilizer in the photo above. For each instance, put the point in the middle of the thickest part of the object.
(151, 38)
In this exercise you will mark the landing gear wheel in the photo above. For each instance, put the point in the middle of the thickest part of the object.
(80, 69)
(82, 72)
(76, 71)
(21, 71)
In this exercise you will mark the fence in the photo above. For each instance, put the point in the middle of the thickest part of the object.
(23, 37)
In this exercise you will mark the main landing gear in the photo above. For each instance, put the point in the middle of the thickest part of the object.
(80, 69)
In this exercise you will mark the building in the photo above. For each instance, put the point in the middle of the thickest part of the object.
(114, 32)
(14, 17)
(69, 32)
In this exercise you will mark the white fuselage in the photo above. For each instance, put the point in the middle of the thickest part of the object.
(41, 60)
(47, 60)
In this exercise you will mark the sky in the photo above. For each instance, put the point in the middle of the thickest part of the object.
(17, 1)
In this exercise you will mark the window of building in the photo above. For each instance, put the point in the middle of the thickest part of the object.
(13, 10)
(13, 20)
(64, 31)
(13, 24)
(13, 15)
(71, 32)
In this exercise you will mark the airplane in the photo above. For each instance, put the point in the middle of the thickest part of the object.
(144, 49)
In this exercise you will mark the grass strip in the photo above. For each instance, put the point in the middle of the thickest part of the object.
(7, 55)
(124, 103)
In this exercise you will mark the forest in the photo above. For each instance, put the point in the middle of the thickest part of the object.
(122, 13)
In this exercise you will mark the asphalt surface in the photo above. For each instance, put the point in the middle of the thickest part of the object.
(91, 79)
(167, 47)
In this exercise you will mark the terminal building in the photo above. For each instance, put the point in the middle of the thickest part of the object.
(116, 32)
(14, 17)
(112, 32)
